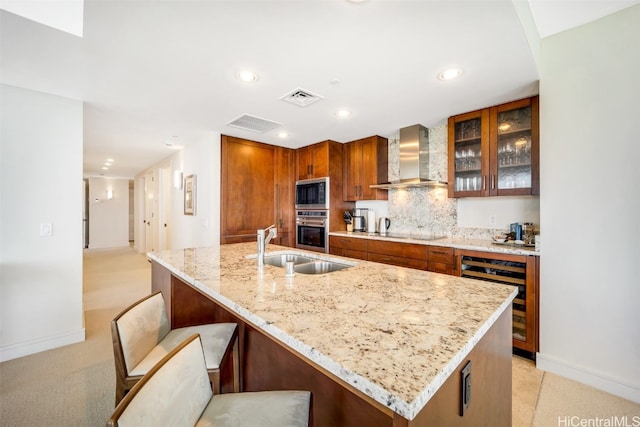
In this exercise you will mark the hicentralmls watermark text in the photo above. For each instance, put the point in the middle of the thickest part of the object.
(613, 421)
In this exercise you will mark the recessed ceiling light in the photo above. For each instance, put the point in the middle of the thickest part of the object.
(110, 160)
(343, 113)
(104, 168)
(247, 76)
(283, 134)
(450, 74)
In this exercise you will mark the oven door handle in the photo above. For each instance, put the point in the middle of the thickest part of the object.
(311, 223)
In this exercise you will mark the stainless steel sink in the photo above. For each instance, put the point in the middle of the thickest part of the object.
(281, 259)
(304, 264)
(319, 267)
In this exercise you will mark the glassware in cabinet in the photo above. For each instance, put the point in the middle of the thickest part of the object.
(514, 144)
(468, 153)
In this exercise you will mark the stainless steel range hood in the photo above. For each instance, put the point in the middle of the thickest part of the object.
(414, 160)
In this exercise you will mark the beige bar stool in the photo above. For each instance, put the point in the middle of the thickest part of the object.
(142, 336)
(176, 392)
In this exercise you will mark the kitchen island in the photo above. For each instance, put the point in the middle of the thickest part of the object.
(375, 344)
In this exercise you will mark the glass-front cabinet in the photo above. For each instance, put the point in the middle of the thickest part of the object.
(494, 151)
(469, 153)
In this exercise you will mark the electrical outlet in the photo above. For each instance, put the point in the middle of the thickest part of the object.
(465, 388)
(492, 220)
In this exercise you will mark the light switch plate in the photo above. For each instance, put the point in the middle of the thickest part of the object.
(46, 229)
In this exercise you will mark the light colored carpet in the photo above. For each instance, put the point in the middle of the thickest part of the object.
(74, 385)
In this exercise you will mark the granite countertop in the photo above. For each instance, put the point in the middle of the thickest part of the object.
(395, 334)
(458, 243)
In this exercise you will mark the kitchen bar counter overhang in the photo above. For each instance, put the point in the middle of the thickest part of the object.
(391, 333)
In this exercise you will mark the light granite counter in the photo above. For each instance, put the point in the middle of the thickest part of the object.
(469, 244)
(394, 334)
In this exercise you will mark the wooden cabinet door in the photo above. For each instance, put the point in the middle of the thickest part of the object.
(284, 196)
(352, 174)
(514, 148)
(365, 164)
(303, 163)
(313, 161)
(374, 167)
(469, 154)
(247, 188)
(319, 160)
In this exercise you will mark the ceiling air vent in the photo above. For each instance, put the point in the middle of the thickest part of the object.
(253, 123)
(301, 97)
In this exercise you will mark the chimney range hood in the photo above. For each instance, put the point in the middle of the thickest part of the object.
(414, 160)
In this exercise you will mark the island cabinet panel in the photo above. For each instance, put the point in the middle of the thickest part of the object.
(400, 254)
(256, 190)
(491, 358)
(348, 246)
(268, 364)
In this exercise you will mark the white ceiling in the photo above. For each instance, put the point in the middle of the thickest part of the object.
(156, 71)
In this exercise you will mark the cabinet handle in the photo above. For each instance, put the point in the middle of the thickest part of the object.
(360, 187)
(493, 182)
(484, 182)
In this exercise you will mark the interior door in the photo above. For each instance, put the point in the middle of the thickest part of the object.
(150, 219)
(164, 203)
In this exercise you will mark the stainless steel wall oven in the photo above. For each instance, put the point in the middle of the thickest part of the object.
(312, 230)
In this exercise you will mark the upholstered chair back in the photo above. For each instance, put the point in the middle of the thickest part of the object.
(141, 328)
(172, 394)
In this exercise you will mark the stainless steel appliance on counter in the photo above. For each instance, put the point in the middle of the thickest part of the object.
(312, 193)
(312, 230)
(383, 225)
(360, 219)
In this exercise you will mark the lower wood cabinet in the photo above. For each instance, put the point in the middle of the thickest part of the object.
(400, 254)
(441, 259)
(348, 246)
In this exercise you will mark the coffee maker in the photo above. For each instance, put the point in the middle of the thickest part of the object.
(360, 219)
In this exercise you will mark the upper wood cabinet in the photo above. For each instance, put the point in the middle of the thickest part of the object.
(495, 151)
(256, 190)
(365, 163)
(315, 161)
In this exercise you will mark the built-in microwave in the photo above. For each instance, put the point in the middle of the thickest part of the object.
(312, 193)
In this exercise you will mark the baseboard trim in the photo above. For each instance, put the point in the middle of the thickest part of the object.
(36, 346)
(109, 245)
(589, 377)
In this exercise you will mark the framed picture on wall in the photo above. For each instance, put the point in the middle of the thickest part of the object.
(190, 195)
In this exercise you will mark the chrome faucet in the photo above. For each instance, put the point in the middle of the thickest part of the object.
(264, 241)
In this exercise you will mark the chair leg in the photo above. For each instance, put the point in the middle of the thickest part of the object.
(214, 377)
(120, 392)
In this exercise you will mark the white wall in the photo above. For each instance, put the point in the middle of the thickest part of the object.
(590, 204)
(40, 183)
(108, 219)
(476, 212)
(200, 157)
